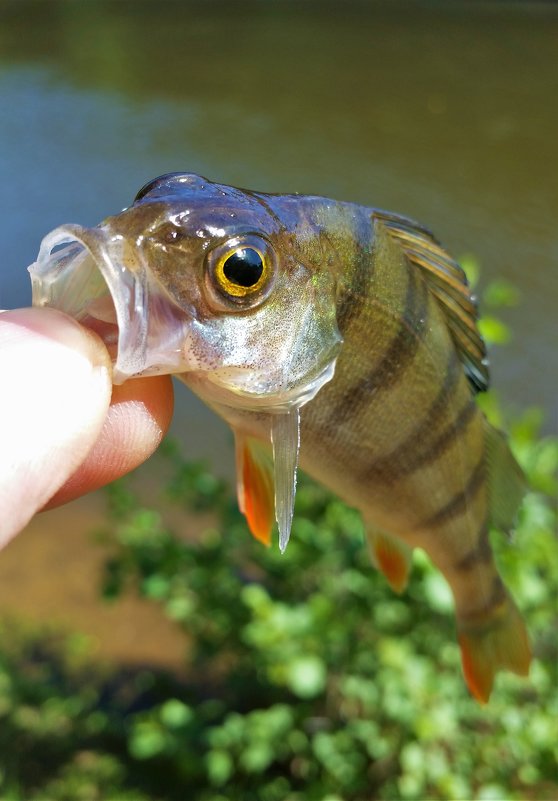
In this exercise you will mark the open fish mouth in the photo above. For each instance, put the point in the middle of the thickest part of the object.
(96, 278)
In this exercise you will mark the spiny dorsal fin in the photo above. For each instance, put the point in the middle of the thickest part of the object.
(448, 283)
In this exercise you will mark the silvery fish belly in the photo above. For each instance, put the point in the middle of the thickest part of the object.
(329, 333)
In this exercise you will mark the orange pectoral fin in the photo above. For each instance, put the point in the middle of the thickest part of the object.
(256, 496)
(391, 556)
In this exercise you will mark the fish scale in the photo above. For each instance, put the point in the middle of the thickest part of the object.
(339, 334)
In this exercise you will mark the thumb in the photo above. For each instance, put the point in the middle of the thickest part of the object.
(55, 380)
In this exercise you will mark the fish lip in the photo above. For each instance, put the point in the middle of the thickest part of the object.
(148, 329)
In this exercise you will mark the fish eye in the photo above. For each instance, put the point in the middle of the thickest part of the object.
(244, 268)
(241, 268)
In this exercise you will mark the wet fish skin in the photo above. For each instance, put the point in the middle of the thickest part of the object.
(366, 330)
(174, 236)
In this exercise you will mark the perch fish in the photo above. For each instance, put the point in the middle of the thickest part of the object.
(326, 333)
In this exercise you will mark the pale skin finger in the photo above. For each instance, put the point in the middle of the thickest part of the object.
(63, 431)
(55, 392)
(138, 417)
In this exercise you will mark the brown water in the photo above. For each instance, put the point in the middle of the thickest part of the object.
(446, 111)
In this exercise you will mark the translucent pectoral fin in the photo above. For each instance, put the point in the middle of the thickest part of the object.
(285, 438)
(266, 477)
(255, 486)
(391, 556)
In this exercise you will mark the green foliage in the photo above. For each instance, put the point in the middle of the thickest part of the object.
(307, 678)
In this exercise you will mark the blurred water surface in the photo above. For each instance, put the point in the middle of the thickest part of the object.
(446, 112)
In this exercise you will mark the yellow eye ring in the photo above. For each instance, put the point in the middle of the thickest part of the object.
(241, 272)
(241, 268)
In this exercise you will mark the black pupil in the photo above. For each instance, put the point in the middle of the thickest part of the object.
(244, 267)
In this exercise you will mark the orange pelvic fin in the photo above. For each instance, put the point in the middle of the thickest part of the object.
(255, 487)
(501, 643)
(391, 556)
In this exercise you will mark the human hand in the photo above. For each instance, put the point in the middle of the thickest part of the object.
(64, 429)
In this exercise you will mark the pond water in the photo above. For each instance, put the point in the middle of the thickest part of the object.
(446, 112)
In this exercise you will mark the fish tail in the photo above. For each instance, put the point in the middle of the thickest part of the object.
(493, 638)
(492, 641)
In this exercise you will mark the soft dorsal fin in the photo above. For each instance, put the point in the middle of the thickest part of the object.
(506, 481)
(448, 283)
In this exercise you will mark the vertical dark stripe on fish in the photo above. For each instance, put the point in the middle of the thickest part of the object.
(400, 351)
(458, 504)
(448, 436)
(350, 303)
(498, 596)
(409, 455)
(479, 553)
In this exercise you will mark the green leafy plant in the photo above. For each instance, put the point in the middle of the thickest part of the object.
(314, 680)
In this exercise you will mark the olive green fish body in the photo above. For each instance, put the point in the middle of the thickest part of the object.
(397, 432)
(337, 332)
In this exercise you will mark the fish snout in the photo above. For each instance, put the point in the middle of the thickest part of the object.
(97, 277)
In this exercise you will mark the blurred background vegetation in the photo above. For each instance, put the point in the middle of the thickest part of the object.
(215, 669)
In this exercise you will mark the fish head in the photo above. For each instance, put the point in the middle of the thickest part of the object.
(216, 284)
